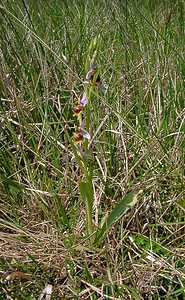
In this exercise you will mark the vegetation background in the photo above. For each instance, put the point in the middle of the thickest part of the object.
(44, 45)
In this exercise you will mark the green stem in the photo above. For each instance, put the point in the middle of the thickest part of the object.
(88, 115)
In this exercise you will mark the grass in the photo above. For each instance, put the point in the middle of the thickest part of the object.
(138, 143)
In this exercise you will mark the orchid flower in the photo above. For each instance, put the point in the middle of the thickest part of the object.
(92, 71)
(78, 108)
(80, 134)
(90, 76)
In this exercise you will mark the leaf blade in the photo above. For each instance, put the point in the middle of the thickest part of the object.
(118, 211)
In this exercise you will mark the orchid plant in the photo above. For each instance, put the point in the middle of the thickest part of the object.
(82, 154)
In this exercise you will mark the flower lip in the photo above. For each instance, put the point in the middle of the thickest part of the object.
(77, 137)
(78, 109)
(80, 134)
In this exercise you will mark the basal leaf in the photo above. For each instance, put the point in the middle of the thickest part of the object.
(120, 209)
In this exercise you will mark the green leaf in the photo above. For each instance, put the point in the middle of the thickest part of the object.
(86, 192)
(121, 208)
